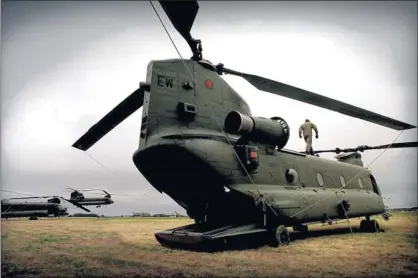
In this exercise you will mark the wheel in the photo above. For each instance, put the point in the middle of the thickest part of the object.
(369, 226)
(363, 225)
(282, 236)
(374, 226)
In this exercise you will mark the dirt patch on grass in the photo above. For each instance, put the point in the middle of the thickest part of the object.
(127, 248)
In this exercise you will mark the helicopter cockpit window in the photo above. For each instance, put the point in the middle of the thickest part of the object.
(360, 183)
(291, 176)
(342, 181)
(320, 179)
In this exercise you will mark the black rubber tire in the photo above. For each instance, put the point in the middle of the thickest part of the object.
(282, 236)
(364, 226)
(374, 226)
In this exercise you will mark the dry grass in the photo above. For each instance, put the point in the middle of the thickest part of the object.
(126, 247)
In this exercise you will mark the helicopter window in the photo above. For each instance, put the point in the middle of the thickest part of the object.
(360, 183)
(291, 176)
(342, 181)
(374, 184)
(320, 179)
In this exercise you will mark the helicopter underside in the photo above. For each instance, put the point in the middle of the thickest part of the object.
(194, 173)
(184, 173)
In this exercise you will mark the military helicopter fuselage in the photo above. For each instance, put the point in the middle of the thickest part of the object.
(201, 145)
(32, 209)
(93, 201)
(79, 198)
(185, 152)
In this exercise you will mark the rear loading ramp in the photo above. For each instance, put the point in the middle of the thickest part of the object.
(193, 237)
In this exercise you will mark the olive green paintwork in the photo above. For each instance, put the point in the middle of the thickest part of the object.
(216, 177)
(203, 137)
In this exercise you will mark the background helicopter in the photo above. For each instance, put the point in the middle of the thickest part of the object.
(78, 197)
(200, 144)
(35, 209)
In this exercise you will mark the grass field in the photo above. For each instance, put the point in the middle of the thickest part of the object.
(126, 247)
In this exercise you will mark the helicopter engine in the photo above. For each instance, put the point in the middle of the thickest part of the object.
(273, 131)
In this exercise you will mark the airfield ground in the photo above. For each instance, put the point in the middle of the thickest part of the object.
(126, 247)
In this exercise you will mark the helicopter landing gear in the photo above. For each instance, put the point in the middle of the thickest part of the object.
(369, 226)
(281, 237)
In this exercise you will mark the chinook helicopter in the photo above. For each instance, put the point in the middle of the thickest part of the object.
(78, 197)
(33, 210)
(200, 144)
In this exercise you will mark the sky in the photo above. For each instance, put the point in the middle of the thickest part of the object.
(64, 65)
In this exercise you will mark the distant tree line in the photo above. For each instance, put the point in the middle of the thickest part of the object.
(84, 215)
(135, 214)
(147, 214)
(405, 209)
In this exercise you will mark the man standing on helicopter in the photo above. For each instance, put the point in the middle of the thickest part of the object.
(307, 128)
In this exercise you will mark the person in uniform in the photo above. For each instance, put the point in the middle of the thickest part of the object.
(306, 128)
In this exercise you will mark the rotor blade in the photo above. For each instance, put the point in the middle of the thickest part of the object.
(97, 189)
(390, 146)
(37, 197)
(123, 110)
(76, 204)
(365, 148)
(288, 91)
(337, 151)
(104, 191)
(182, 15)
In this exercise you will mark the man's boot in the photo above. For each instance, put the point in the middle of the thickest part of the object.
(312, 152)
